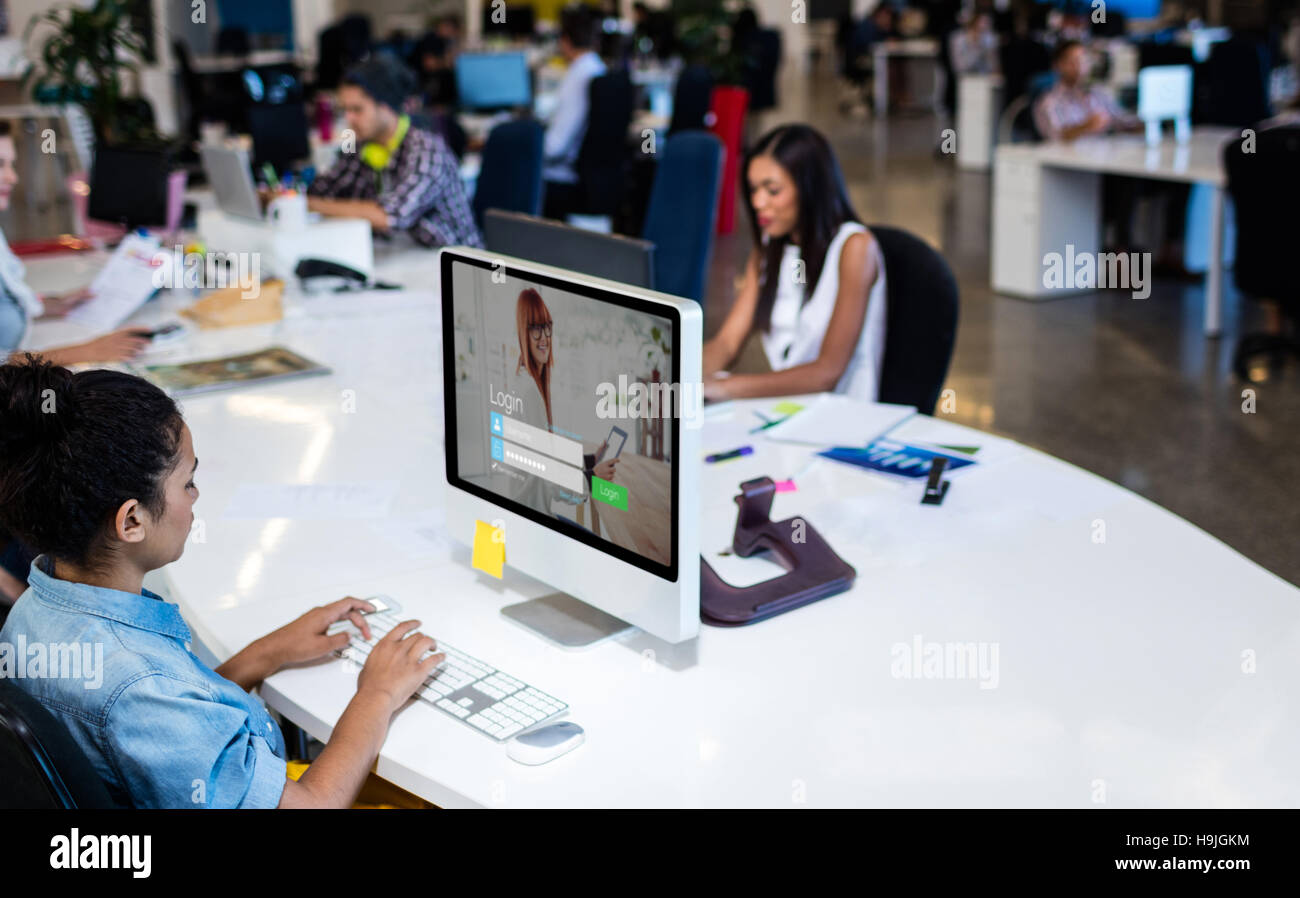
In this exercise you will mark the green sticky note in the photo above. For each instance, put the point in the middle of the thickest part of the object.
(787, 408)
(609, 493)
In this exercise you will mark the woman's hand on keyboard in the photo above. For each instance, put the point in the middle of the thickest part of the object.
(305, 639)
(397, 665)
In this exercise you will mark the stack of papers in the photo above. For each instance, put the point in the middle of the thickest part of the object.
(122, 285)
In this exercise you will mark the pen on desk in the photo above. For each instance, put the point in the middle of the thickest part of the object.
(727, 456)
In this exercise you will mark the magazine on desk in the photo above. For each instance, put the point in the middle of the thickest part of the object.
(230, 372)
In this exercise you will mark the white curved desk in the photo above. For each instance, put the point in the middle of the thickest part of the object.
(1119, 680)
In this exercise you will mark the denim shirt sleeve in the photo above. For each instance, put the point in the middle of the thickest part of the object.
(180, 746)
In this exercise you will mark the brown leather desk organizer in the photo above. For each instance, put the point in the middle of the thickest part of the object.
(813, 570)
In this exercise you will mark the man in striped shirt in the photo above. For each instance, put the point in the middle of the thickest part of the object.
(396, 176)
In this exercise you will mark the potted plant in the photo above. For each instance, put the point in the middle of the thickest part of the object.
(84, 56)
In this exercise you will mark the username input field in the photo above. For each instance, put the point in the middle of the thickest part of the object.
(529, 462)
(535, 438)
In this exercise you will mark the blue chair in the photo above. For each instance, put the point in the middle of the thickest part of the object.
(511, 174)
(682, 211)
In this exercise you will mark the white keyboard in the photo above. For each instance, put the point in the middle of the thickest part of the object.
(472, 691)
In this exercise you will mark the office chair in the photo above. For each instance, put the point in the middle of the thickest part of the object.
(1016, 123)
(683, 209)
(1261, 183)
(1020, 60)
(762, 77)
(44, 767)
(511, 174)
(1231, 87)
(691, 99)
(920, 319)
(603, 158)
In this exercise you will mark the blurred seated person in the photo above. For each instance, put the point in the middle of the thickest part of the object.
(20, 304)
(397, 177)
(974, 46)
(568, 122)
(1072, 108)
(436, 71)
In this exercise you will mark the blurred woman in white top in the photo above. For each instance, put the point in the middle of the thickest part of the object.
(814, 285)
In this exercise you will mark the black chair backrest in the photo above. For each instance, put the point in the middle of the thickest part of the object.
(603, 156)
(1265, 189)
(762, 79)
(691, 99)
(511, 174)
(1232, 85)
(920, 319)
(43, 767)
(1021, 59)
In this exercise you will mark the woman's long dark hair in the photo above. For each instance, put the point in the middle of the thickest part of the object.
(823, 206)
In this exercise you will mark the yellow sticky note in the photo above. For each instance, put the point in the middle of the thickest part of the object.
(787, 408)
(489, 549)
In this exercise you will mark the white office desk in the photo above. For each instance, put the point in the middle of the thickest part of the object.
(1048, 195)
(1120, 675)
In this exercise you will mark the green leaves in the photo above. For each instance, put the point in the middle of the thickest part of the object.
(82, 60)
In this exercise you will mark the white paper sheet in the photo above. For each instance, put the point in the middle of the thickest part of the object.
(122, 285)
(311, 501)
(835, 420)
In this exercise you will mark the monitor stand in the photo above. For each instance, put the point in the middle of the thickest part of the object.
(564, 621)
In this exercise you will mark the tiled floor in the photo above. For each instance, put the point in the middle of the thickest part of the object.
(1127, 388)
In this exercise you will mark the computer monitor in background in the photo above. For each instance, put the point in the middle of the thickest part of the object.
(622, 549)
(624, 259)
(129, 186)
(280, 135)
(493, 80)
(1165, 92)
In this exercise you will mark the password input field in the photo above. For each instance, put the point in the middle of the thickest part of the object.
(529, 462)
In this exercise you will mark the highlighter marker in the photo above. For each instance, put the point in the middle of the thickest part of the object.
(727, 456)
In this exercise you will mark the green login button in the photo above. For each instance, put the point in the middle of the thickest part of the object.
(609, 493)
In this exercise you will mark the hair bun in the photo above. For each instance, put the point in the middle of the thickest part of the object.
(37, 404)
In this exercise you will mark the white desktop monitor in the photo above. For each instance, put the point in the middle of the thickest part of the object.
(627, 546)
(493, 80)
(1164, 92)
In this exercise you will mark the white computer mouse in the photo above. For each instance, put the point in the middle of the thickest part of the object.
(545, 743)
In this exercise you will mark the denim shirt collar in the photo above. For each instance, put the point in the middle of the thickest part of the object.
(146, 611)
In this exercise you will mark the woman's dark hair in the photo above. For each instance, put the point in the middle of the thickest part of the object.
(74, 447)
(384, 78)
(6, 129)
(823, 206)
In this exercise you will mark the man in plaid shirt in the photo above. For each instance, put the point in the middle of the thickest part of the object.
(398, 177)
(1073, 108)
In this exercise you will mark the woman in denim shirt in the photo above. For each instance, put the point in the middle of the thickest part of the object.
(97, 473)
(20, 305)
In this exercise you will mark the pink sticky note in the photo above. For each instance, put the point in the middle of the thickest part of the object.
(785, 486)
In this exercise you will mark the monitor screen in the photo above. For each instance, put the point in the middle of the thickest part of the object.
(1164, 92)
(129, 186)
(493, 80)
(558, 406)
(610, 256)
